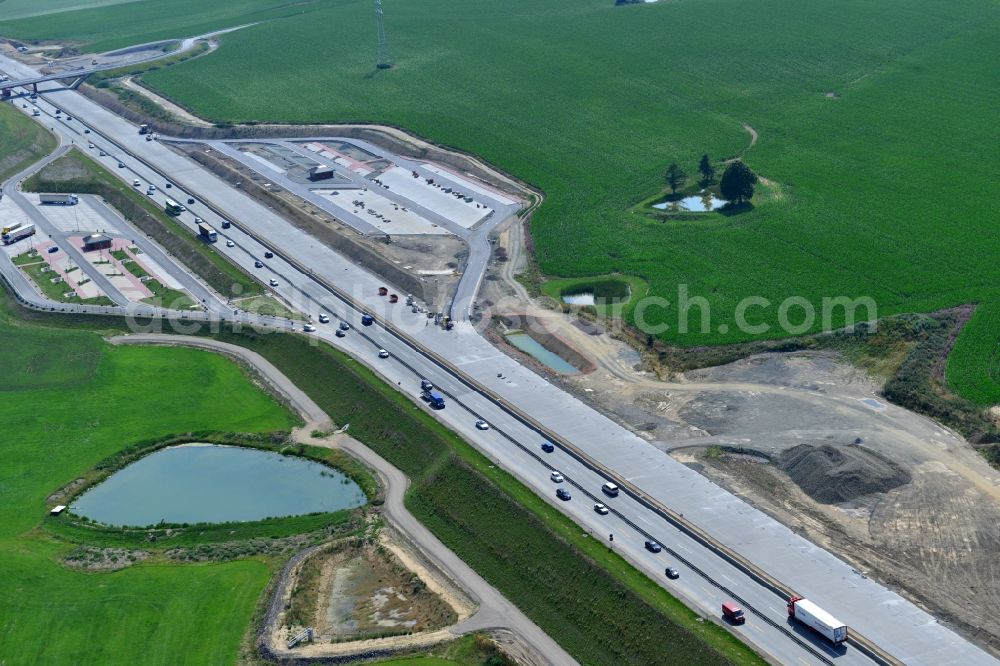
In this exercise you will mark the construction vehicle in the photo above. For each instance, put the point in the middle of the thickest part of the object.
(18, 234)
(817, 619)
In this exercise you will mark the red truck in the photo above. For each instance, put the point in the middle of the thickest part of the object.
(733, 613)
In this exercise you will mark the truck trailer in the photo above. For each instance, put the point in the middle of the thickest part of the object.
(207, 232)
(817, 619)
(18, 234)
(435, 399)
(59, 199)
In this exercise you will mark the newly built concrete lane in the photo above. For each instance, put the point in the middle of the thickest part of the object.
(892, 622)
(495, 611)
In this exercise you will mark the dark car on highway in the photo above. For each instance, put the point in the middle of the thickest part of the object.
(563, 494)
(653, 547)
(548, 447)
(269, 255)
(258, 264)
(672, 573)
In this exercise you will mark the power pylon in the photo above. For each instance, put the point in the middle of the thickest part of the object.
(384, 60)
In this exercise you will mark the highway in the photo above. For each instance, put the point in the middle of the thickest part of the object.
(481, 382)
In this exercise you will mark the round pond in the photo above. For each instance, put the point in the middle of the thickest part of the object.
(207, 483)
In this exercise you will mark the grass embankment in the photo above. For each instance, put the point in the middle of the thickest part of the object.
(22, 141)
(535, 555)
(975, 361)
(77, 173)
(70, 401)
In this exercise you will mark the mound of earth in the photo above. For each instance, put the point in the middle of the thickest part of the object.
(832, 474)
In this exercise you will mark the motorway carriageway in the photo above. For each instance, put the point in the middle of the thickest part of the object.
(514, 445)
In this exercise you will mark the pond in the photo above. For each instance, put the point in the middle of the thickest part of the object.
(584, 298)
(699, 203)
(529, 345)
(207, 483)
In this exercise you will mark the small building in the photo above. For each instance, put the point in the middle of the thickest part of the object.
(321, 172)
(56, 510)
(96, 242)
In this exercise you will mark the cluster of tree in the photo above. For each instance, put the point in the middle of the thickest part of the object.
(737, 182)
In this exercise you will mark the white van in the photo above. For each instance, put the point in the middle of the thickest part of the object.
(610, 489)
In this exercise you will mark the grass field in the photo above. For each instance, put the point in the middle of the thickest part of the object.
(22, 141)
(71, 400)
(975, 360)
(872, 176)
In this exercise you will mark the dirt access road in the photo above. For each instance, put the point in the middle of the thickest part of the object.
(933, 538)
(530, 644)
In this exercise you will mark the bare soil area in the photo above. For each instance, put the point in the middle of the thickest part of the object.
(357, 592)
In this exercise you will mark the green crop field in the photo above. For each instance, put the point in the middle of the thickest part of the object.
(876, 127)
(975, 360)
(70, 400)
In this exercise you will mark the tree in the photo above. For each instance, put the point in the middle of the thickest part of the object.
(675, 177)
(706, 169)
(737, 182)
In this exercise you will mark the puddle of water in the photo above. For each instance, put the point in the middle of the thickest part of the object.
(212, 484)
(586, 298)
(700, 203)
(529, 345)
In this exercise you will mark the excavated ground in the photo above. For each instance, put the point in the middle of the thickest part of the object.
(807, 438)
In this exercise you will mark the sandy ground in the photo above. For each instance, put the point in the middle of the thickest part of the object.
(933, 538)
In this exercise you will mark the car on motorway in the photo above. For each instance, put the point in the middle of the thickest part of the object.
(340, 333)
(269, 255)
(198, 220)
(601, 509)
(230, 243)
(308, 328)
(90, 144)
(652, 546)
(121, 165)
(482, 425)
(610, 489)
(190, 201)
(564, 495)
(258, 264)
(557, 477)
(344, 326)
(102, 153)
(68, 118)
(150, 191)
(152, 187)
(273, 282)
(136, 182)
(169, 185)
(672, 573)
(323, 319)
(86, 131)
(548, 447)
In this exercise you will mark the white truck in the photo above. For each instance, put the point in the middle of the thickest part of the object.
(59, 199)
(19, 233)
(817, 619)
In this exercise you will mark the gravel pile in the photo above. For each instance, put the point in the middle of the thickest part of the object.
(832, 474)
